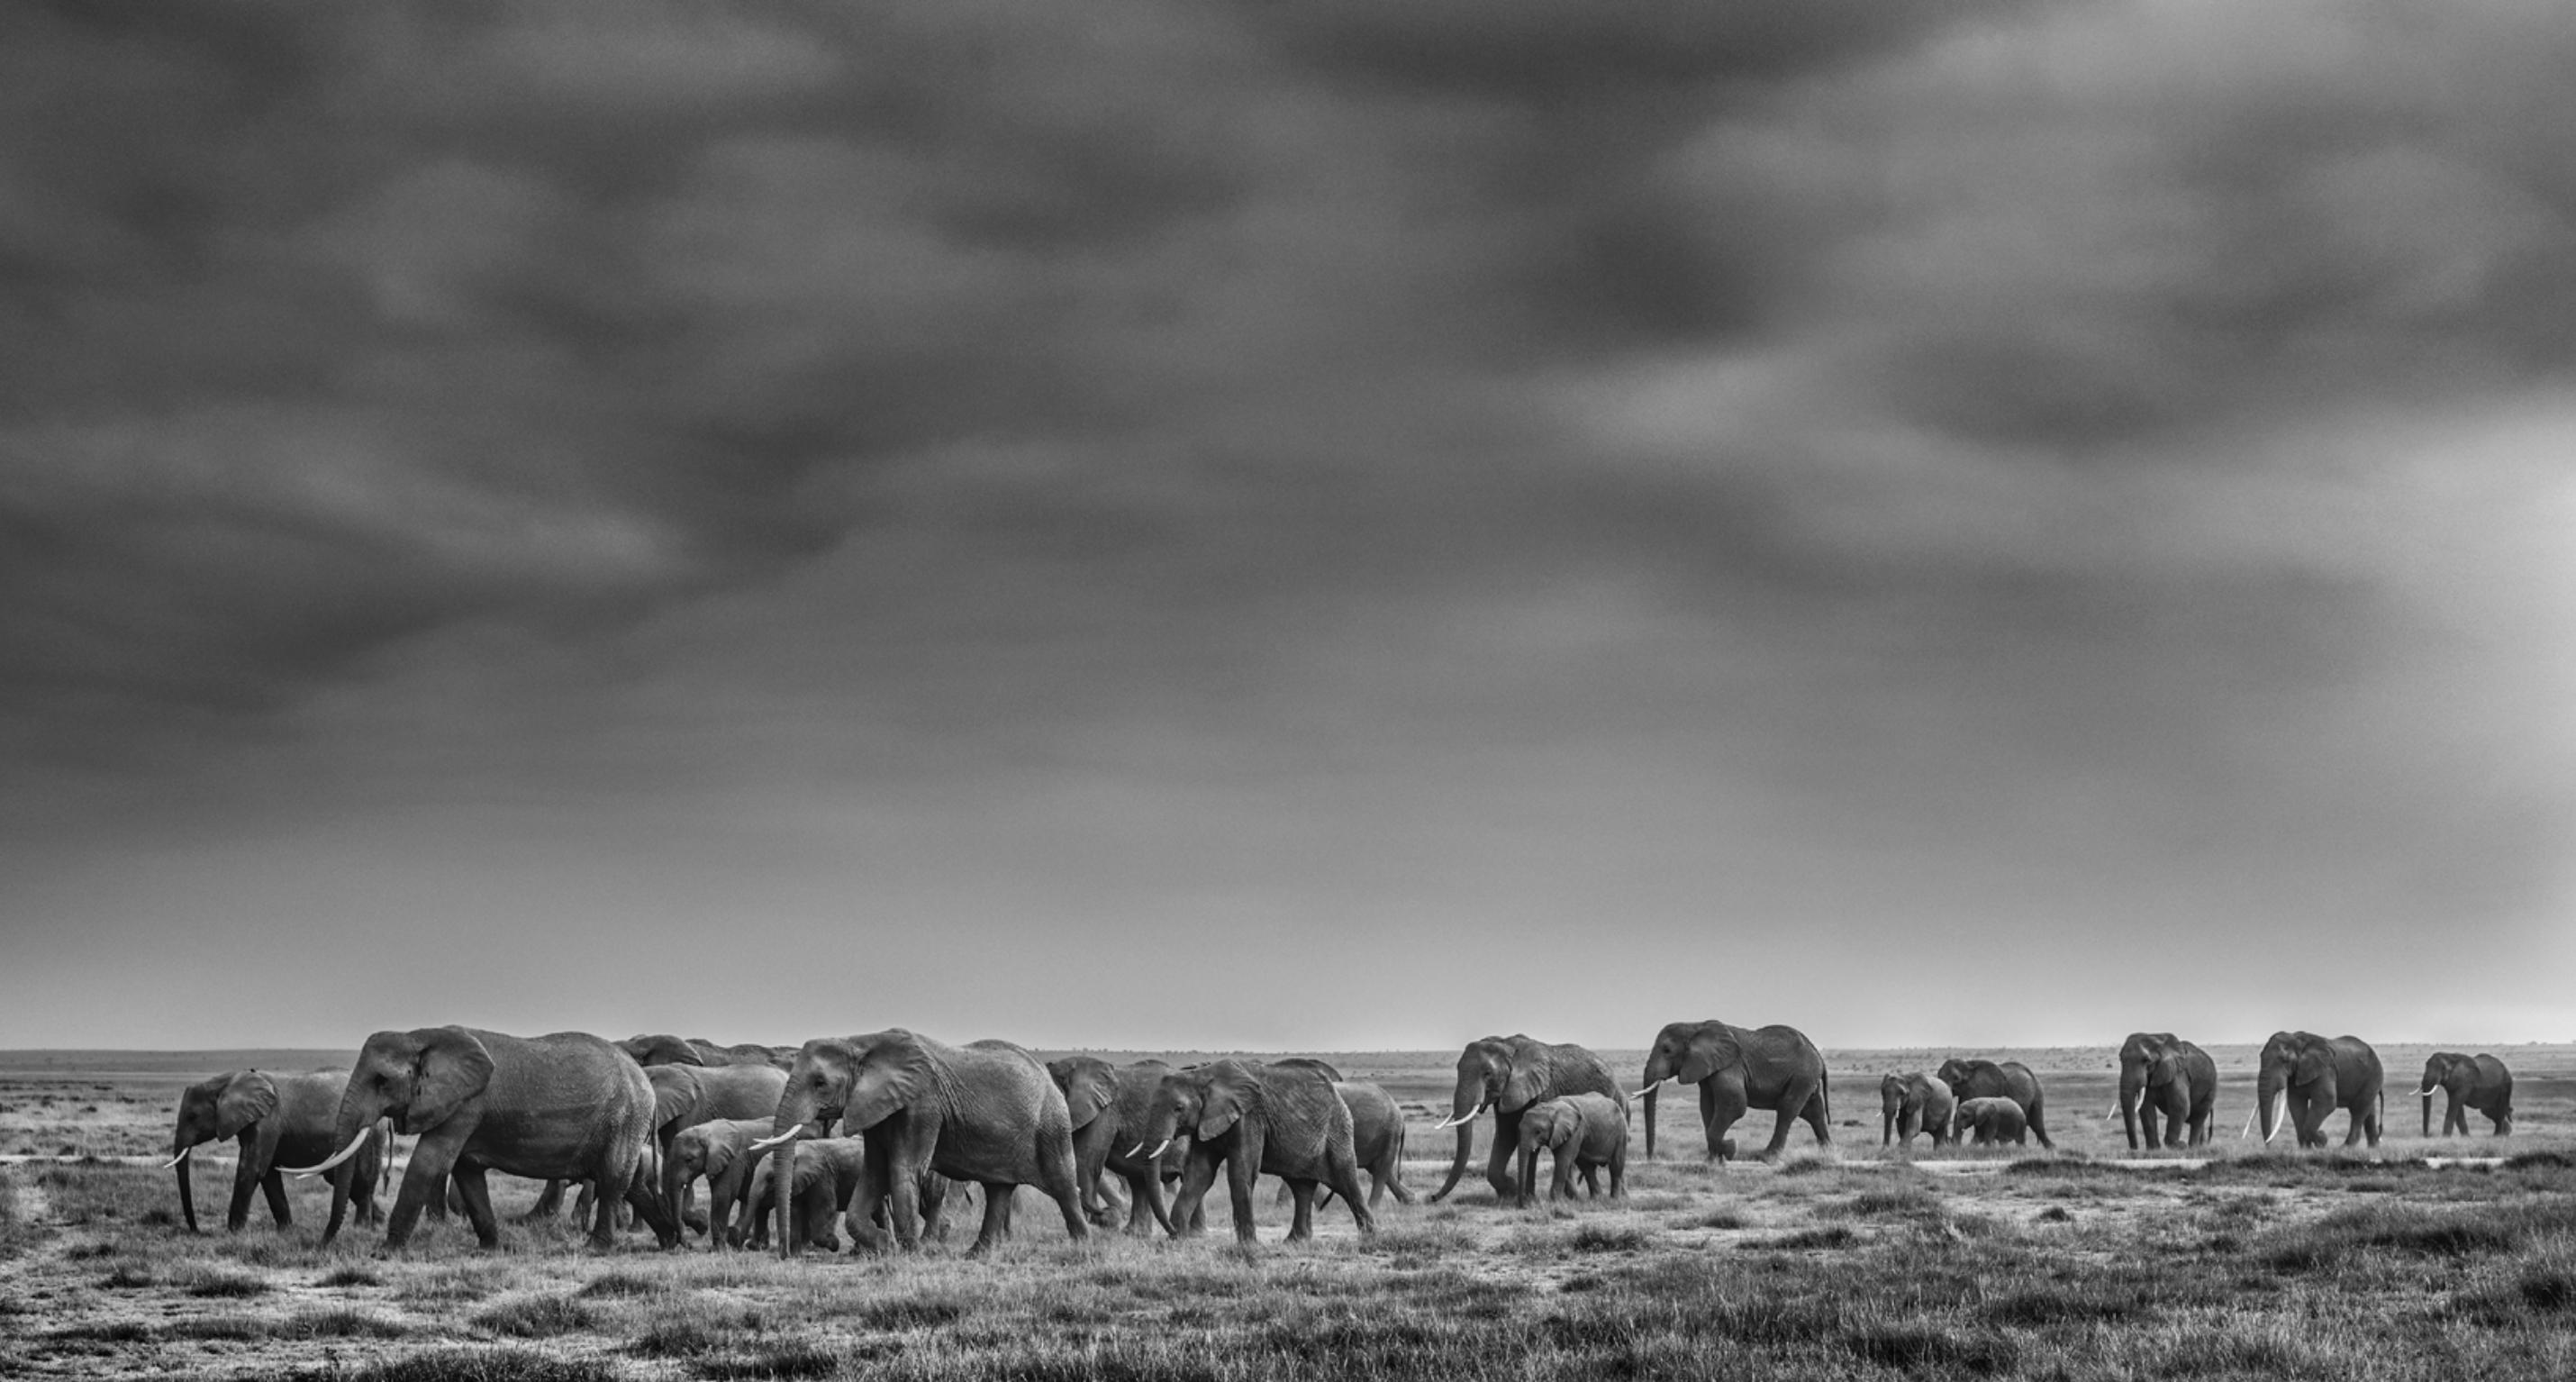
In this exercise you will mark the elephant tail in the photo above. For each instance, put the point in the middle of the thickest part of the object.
(1825, 1095)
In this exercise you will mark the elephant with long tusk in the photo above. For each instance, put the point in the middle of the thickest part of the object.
(568, 1106)
(274, 1121)
(2172, 1083)
(2301, 1077)
(1505, 1075)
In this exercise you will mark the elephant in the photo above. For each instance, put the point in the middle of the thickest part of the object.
(567, 1106)
(1109, 1105)
(1984, 1079)
(273, 1120)
(1507, 1075)
(985, 1112)
(687, 1095)
(2310, 1077)
(719, 1150)
(1377, 1138)
(1914, 1103)
(662, 1048)
(2168, 1078)
(1740, 1068)
(829, 1171)
(2478, 1083)
(1256, 1119)
(1994, 1119)
(1583, 1131)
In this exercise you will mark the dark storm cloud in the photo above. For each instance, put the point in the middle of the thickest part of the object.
(1368, 471)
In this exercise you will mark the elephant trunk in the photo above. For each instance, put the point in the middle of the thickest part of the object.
(2272, 1083)
(1650, 1118)
(187, 1187)
(675, 1184)
(2133, 1083)
(1458, 1163)
(2427, 1096)
(1886, 1127)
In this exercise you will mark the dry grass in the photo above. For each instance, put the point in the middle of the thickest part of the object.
(1845, 1267)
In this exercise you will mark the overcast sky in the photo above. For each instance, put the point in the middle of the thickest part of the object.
(1326, 525)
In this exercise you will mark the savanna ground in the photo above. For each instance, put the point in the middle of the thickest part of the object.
(1847, 1264)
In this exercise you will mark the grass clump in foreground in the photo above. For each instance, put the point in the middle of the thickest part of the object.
(515, 1364)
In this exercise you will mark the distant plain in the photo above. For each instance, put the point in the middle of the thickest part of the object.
(1837, 1264)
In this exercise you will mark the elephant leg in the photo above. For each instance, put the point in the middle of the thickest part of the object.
(640, 1201)
(469, 1182)
(549, 1204)
(1189, 1202)
(1242, 1168)
(1814, 1112)
(1498, 1162)
(2037, 1111)
(245, 1185)
(1301, 1224)
(997, 1218)
(1057, 1176)
(1342, 1176)
(273, 1183)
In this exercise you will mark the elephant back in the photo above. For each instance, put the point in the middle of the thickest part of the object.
(1376, 1123)
(1575, 1069)
(1301, 1117)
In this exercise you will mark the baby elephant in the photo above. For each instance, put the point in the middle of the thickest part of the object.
(1585, 1132)
(1995, 1120)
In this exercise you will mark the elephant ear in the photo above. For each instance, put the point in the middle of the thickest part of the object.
(454, 1067)
(1569, 1124)
(1091, 1089)
(720, 1154)
(247, 1097)
(1524, 1086)
(893, 1074)
(677, 1092)
(1220, 1110)
(2314, 1063)
(1709, 1051)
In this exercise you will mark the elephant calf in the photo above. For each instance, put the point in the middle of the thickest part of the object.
(829, 1170)
(1994, 1119)
(1586, 1133)
(721, 1152)
(1914, 1103)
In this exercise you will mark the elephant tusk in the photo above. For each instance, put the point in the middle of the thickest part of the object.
(336, 1157)
(1651, 1087)
(1156, 1154)
(2248, 1130)
(781, 1140)
(1135, 1151)
(2423, 1094)
(183, 1156)
(2107, 1113)
(2280, 1115)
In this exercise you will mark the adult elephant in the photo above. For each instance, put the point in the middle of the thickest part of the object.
(685, 1096)
(1740, 1068)
(272, 1120)
(2475, 1084)
(985, 1112)
(1913, 1103)
(1985, 1079)
(662, 1048)
(2311, 1076)
(567, 1106)
(1257, 1119)
(1507, 1075)
(2171, 1081)
(1109, 1105)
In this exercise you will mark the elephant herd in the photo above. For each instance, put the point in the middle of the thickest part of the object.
(640, 1122)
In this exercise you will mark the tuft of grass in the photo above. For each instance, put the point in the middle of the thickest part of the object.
(626, 1284)
(128, 1276)
(786, 1358)
(1828, 1236)
(352, 1274)
(341, 1322)
(909, 1312)
(469, 1365)
(1728, 1217)
(228, 1286)
(1594, 1236)
(538, 1317)
(232, 1328)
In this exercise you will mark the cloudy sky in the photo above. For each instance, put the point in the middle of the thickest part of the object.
(1337, 524)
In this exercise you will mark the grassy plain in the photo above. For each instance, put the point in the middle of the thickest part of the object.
(1848, 1264)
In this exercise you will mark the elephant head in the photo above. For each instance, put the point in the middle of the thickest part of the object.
(1200, 1104)
(2294, 1062)
(216, 1109)
(1499, 1073)
(2446, 1070)
(858, 1082)
(660, 1048)
(1090, 1085)
(1688, 1052)
(1900, 1103)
